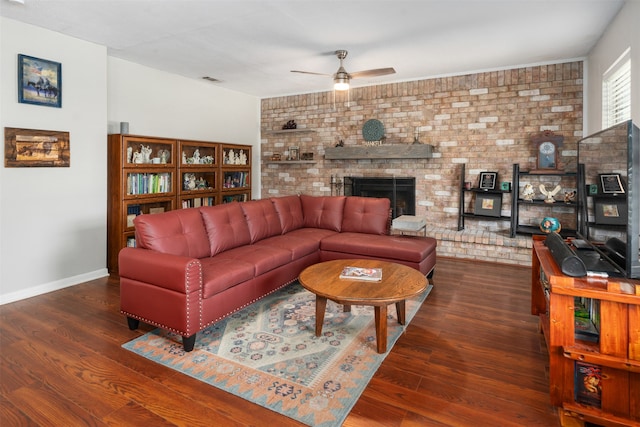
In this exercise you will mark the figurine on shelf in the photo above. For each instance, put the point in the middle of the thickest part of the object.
(528, 193)
(145, 150)
(291, 124)
(129, 154)
(201, 184)
(569, 196)
(196, 157)
(137, 157)
(549, 194)
(242, 158)
(231, 157)
(164, 156)
(189, 181)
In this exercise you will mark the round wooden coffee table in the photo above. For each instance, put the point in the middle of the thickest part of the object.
(398, 283)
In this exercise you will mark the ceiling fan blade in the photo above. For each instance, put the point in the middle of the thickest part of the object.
(373, 73)
(310, 72)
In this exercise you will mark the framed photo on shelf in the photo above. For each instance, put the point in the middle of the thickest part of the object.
(611, 183)
(39, 81)
(488, 180)
(488, 204)
(610, 211)
(294, 153)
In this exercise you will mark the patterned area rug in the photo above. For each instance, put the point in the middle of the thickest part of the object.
(268, 354)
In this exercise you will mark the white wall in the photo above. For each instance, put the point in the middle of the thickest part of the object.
(156, 103)
(52, 228)
(53, 220)
(622, 33)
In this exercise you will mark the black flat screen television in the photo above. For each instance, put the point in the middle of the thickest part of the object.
(609, 196)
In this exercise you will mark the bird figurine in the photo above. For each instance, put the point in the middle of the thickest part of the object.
(528, 192)
(549, 194)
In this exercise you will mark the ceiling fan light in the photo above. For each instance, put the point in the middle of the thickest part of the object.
(341, 83)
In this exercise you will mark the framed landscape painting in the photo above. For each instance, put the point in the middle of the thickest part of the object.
(36, 148)
(39, 81)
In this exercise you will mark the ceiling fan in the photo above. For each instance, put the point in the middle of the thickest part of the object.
(341, 78)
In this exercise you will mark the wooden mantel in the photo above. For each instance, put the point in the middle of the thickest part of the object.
(390, 151)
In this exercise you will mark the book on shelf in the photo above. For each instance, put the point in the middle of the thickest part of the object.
(587, 319)
(588, 384)
(361, 273)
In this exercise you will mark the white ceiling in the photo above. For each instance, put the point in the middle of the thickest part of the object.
(251, 46)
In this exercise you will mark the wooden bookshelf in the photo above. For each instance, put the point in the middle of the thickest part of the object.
(616, 353)
(149, 175)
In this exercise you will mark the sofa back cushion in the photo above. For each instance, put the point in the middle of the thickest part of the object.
(178, 232)
(262, 219)
(289, 210)
(366, 215)
(323, 211)
(226, 227)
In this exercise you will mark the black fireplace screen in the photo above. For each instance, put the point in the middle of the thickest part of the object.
(400, 191)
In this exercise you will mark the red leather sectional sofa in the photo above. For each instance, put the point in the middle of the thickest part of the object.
(192, 267)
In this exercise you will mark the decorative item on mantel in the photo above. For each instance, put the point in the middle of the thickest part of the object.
(373, 132)
(416, 137)
(291, 124)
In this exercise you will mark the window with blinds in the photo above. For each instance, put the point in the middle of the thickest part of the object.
(616, 91)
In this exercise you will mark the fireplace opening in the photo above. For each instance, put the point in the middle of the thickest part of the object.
(400, 191)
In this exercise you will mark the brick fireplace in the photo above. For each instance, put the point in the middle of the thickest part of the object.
(400, 191)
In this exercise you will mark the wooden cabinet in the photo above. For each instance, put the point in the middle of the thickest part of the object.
(615, 354)
(527, 214)
(148, 175)
(235, 173)
(198, 174)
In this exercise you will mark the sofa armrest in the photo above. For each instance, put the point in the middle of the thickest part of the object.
(175, 272)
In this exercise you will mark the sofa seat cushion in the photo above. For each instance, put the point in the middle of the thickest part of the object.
(226, 227)
(315, 234)
(366, 215)
(408, 248)
(220, 274)
(264, 258)
(323, 211)
(262, 219)
(289, 210)
(178, 232)
(297, 246)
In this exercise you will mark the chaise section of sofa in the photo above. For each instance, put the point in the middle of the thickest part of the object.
(195, 266)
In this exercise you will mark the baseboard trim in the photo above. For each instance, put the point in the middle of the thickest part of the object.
(52, 286)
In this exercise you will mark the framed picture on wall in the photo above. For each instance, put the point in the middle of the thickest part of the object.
(39, 81)
(36, 148)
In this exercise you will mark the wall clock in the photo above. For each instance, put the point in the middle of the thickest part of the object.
(547, 145)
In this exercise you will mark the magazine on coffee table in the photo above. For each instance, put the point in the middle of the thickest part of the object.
(361, 273)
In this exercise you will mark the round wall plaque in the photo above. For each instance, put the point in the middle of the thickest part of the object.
(373, 130)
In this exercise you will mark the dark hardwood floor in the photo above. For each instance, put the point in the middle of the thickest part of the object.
(472, 356)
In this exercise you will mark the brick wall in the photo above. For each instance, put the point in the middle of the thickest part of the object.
(484, 120)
